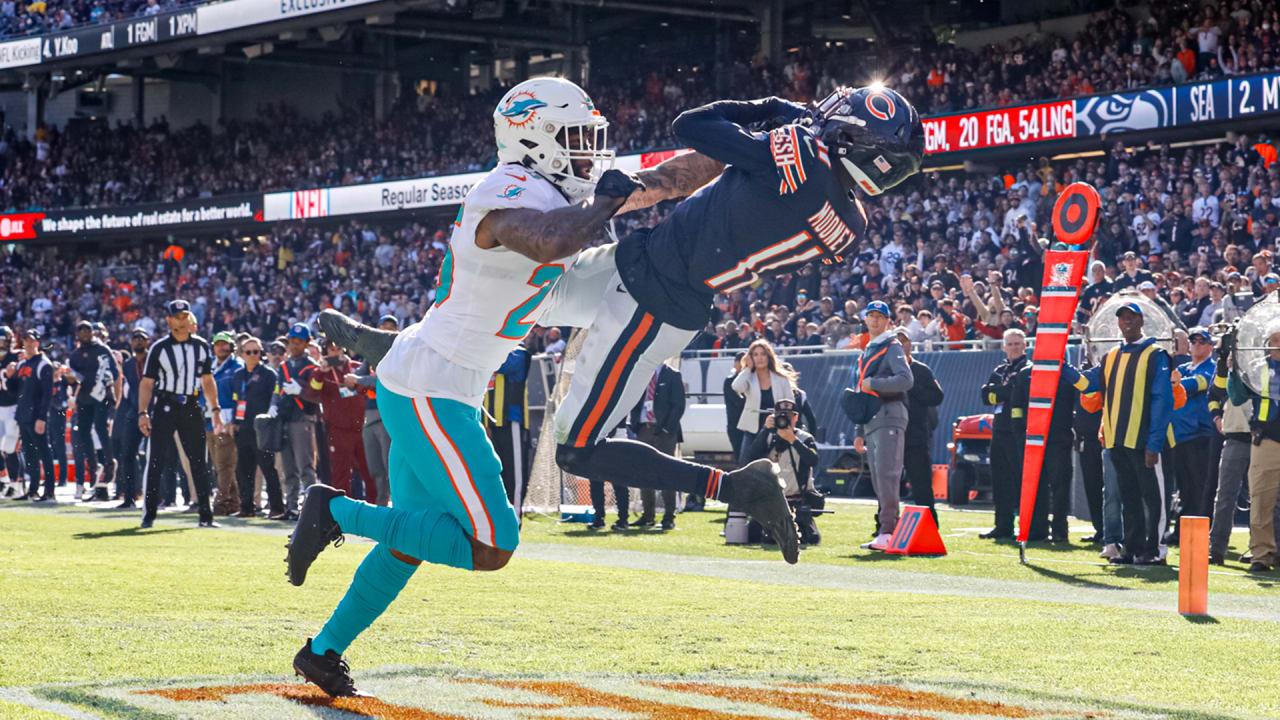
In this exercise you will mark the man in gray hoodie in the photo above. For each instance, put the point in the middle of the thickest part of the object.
(883, 371)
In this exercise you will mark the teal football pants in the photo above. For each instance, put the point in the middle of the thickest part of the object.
(446, 484)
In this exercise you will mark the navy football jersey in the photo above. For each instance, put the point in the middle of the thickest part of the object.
(777, 205)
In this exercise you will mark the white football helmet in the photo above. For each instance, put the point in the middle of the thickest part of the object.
(545, 124)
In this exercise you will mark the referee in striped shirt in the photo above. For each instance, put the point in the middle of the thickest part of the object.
(177, 368)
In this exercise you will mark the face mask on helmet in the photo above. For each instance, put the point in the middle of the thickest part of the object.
(875, 135)
(550, 125)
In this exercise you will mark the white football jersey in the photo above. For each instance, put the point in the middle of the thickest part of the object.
(487, 300)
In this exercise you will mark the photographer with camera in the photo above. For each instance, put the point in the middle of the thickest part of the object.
(796, 453)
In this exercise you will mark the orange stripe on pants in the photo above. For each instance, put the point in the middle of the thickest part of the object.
(612, 381)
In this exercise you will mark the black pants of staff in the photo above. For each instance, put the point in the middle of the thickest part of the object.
(1006, 479)
(56, 433)
(1090, 456)
(1053, 494)
(511, 443)
(93, 419)
(621, 493)
(128, 439)
(177, 432)
(250, 459)
(1141, 503)
(918, 465)
(1192, 458)
(36, 453)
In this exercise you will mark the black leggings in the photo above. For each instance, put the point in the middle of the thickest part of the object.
(248, 460)
(93, 418)
(35, 449)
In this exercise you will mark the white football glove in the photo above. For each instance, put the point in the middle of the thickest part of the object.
(273, 411)
(292, 388)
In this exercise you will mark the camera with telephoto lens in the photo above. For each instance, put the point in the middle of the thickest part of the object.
(782, 411)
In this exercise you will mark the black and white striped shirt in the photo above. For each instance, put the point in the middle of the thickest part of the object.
(178, 366)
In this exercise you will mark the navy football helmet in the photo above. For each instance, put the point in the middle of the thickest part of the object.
(874, 133)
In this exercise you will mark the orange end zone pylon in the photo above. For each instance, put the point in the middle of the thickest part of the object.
(1075, 217)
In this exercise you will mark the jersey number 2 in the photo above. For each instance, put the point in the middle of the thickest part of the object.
(544, 278)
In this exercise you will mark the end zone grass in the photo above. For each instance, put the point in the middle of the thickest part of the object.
(88, 599)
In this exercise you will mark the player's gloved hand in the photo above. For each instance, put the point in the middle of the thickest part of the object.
(292, 388)
(273, 411)
(618, 184)
(774, 112)
(1227, 344)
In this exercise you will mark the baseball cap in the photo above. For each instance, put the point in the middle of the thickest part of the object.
(5, 331)
(139, 332)
(1131, 307)
(1130, 255)
(1030, 310)
(876, 306)
(32, 334)
(389, 319)
(225, 337)
(84, 325)
(1271, 278)
(1202, 332)
(1147, 285)
(300, 330)
(100, 327)
(275, 347)
(1234, 276)
(177, 307)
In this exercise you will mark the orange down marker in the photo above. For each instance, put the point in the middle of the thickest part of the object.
(1193, 567)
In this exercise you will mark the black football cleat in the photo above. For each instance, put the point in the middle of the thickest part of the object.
(368, 342)
(329, 671)
(757, 490)
(316, 528)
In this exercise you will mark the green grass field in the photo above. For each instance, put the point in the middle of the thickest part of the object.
(88, 600)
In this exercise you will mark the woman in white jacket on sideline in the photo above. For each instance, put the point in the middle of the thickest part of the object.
(765, 381)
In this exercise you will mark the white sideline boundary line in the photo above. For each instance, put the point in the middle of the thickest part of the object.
(24, 697)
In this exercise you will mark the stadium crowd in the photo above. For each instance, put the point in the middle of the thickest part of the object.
(42, 16)
(88, 163)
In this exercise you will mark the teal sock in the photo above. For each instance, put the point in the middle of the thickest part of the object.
(428, 535)
(378, 580)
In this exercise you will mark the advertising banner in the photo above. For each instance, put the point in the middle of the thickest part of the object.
(227, 211)
(20, 53)
(223, 16)
(1002, 127)
(121, 35)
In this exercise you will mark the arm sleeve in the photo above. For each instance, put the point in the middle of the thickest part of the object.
(806, 450)
(900, 380)
(1019, 399)
(716, 130)
(1161, 402)
(45, 395)
(151, 366)
(1236, 390)
(927, 388)
(205, 365)
(759, 446)
(1088, 381)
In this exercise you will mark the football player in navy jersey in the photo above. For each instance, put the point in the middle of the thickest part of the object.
(787, 197)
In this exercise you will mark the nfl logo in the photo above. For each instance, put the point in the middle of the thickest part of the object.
(882, 164)
(1060, 274)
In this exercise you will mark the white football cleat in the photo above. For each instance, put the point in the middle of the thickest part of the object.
(881, 543)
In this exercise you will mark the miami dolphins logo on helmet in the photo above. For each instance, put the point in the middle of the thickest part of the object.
(521, 108)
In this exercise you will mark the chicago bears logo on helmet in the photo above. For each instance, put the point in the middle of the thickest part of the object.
(521, 108)
(884, 109)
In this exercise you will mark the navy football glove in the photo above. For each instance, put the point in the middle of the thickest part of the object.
(618, 184)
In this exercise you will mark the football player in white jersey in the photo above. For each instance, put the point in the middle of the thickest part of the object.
(518, 233)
